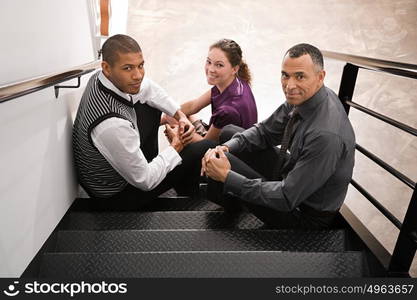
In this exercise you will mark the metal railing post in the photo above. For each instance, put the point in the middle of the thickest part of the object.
(347, 84)
(405, 247)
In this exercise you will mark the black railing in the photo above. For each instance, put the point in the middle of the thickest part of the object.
(411, 184)
(19, 89)
(386, 66)
(381, 117)
(405, 248)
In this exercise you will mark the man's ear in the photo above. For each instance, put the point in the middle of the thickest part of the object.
(322, 74)
(105, 66)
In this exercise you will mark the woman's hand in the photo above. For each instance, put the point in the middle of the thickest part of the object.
(186, 129)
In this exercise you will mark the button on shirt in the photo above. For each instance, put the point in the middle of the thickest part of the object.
(320, 162)
(119, 143)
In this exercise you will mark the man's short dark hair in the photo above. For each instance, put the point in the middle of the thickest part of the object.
(302, 49)
(116, 44)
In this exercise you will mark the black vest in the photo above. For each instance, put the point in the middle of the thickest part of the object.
(98, 103)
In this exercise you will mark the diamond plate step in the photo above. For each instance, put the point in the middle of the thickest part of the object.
(167, 203)
(200, 240)
(202, 264)
(181, 204)
(159, 220)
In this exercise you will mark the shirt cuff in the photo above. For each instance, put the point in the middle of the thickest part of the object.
(172, 107)
(171, 156)
(233, 184)
(232, 144)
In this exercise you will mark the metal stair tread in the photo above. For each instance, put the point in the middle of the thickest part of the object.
(195, 240)
(166, 203)
(254, 264)
(159, 220)
(181, 204)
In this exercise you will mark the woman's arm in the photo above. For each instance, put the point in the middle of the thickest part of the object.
(212, 134)
(194, 106)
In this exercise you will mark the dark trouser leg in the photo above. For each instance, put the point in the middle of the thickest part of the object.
(248, 164)
(148, 119)
(297, 219)
(215, 189)
(228, 131)
(262, 161)
(300, 219)
(129, 199)
(185, 178)
(137, 198)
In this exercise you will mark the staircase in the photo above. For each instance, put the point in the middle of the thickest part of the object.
(181, 237)
(184, 237)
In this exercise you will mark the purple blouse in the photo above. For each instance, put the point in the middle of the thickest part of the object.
(236, 105)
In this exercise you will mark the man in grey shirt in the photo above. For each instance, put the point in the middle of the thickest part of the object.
(305, 186)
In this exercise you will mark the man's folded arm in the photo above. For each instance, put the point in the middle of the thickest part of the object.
(119, 143)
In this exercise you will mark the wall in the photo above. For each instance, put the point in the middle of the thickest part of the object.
(37, 182)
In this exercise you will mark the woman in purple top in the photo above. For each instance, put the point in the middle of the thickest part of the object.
(231, 97)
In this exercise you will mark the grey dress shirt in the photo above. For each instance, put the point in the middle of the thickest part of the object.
(320, 162)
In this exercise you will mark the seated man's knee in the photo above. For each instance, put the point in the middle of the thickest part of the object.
(194, 152)
(228, 131)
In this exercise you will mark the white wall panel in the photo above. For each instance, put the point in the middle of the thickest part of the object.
(37, 182)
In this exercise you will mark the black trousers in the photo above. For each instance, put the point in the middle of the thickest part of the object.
(261, 165)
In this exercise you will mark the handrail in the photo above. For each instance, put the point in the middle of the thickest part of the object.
(392, 67)
(21, 88)
(405, 245)
(377, 204)
(400, 176)
(399, 125)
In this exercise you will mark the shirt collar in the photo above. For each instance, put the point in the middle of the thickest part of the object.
(108, 84)
(311, 104)
(235, 88)
(143, 94)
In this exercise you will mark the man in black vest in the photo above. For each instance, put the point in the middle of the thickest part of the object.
(115, 137)
(303, 184)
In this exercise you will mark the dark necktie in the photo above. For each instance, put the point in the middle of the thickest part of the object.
(286, 140)
(289, 128)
